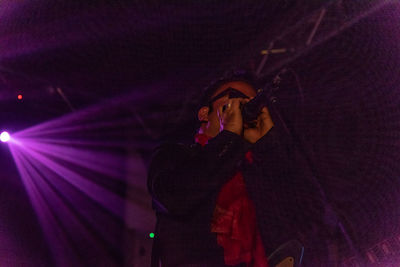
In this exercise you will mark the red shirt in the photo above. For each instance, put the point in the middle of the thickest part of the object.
(234, 221)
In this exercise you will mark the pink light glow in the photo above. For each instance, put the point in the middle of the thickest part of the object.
(62, 196)
(77, 173)
(4, 137)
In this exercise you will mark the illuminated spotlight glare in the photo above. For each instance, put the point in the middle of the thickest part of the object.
(19, 97)
(4, 137)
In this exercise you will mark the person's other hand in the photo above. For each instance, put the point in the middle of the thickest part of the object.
(262, 125)
(230, 115)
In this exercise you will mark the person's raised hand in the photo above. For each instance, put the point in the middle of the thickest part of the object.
(262, 125)
(230, 115)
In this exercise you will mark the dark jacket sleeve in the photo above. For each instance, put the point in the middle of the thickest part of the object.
(282, 188)
(180, 178)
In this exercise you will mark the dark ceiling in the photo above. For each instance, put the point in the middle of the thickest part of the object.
(98, 49)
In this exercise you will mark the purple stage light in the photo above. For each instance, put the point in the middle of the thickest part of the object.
(4, 137)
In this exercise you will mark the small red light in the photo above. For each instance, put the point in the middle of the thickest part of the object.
(19, 97)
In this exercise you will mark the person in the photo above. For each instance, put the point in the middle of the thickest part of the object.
(232, 197)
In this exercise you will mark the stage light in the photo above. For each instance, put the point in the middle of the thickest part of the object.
(19, 97)
(151, 235)
(4, 137)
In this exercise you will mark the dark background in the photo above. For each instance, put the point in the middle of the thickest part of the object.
(146, 62)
